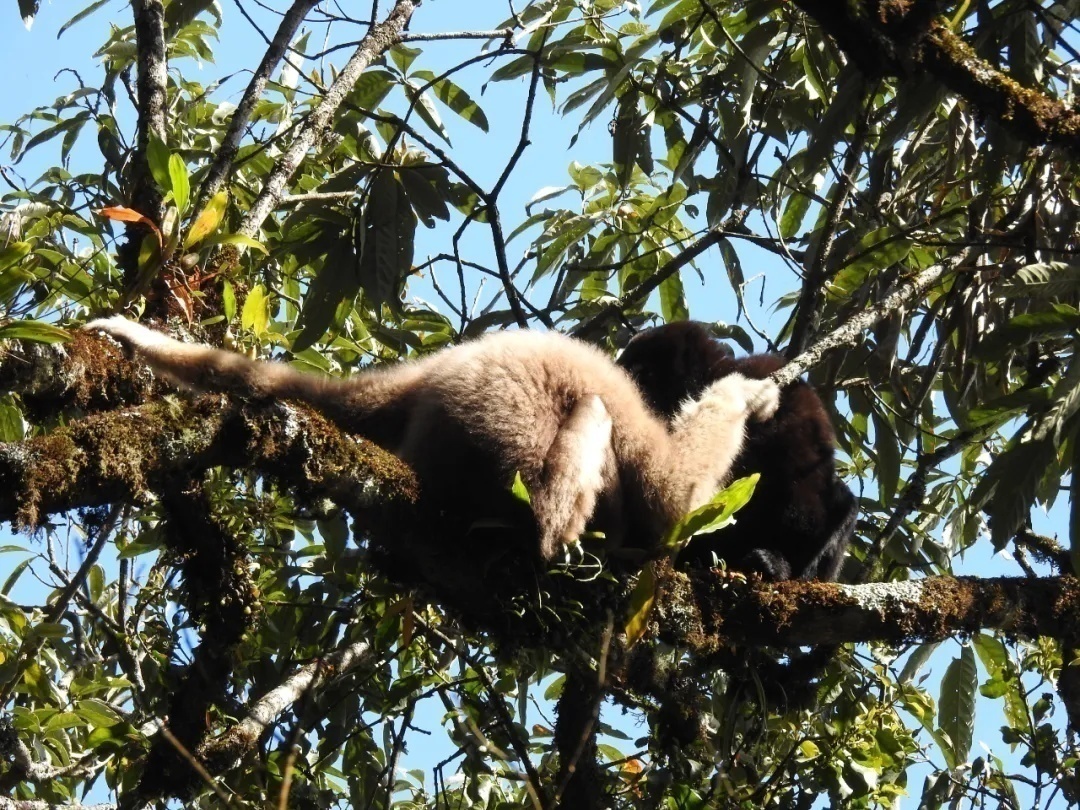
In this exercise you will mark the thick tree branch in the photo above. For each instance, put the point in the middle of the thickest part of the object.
(378, 40)
(705, 612)
(151, 99)
(113, 457)
(906, 37)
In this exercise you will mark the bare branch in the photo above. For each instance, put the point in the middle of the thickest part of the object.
(226, 751)
(847, 334)
(219, 170)
(379, 39)
(499, 33)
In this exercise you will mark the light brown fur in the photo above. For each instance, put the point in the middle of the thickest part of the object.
(554, 409)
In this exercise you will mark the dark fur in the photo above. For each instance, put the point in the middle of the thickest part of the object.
(800, 520)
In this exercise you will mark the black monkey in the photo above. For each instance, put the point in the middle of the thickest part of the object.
(799, 522)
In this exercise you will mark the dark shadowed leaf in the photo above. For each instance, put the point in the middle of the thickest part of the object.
(956, 705)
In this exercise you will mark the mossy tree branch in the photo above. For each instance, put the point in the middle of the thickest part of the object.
(116, 456)
(905, 37)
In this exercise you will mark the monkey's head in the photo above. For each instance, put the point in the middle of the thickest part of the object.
(674, 363)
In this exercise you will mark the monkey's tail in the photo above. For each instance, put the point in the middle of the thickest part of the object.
(347, 402)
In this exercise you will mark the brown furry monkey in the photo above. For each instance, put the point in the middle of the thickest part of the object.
(801, 517)
(549, 407)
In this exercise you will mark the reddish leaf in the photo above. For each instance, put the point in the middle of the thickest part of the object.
(124, 214)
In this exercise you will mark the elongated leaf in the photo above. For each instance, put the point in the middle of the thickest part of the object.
(28, 9)
(716, 514)
(208, 220)
(179, 183)
(13, 254)
(12, 426)
(387, 240)
(673, 299)
(425, 108)
(37, 331)
(1007, 489)
(519, 490)
(887, 449)
(82, 15)
(1044, 282)
(455, 98)
(121, 213)
(256, 312)
(917, 660)
(336, 283)
(956, 705)
(641, 604)
(791, 220)
(1028, 328)
(236, 239)
(157, 157)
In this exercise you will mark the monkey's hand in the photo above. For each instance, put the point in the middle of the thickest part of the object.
(129, 334)
(762, 397)
(762, 405)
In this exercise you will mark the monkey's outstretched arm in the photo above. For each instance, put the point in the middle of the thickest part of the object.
(707, 435)
(204, 368)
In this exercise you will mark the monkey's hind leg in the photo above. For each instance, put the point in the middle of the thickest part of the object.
(572, 475)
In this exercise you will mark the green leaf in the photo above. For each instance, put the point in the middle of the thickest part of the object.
(794, 212)
(956, 705)
(335, 284)
(97, 713)
(178, 177)
(455, 98)
(158, 158)
(888, 452)
(519, 490)
(256, 312)
(716, 514)
(555, 688)
(13, 254)
(425, 108)
(404, 56)
(386, 249)
(37, 331)
(12, 427)
(236, 239)
(673, 299)
(208, 220)
(1044, 282)
(82, 15)
(1027, 328)
(642, 600)
(1007, 488)
(13, 577)
(228, 301)
(918, 658)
